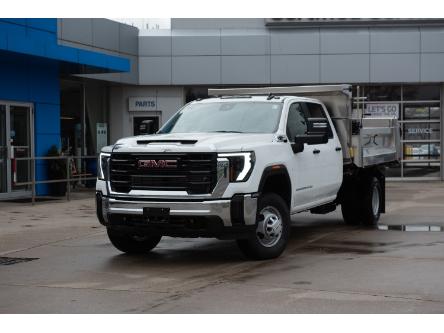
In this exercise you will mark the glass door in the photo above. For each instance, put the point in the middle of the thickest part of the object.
(3, 151)
(20, 134)
(15, 143)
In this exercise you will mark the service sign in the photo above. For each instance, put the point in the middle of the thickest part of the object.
(383, 110)
(142, 104)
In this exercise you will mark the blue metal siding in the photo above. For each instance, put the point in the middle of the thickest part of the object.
(30, 65)
(34, 80)
(38, 37)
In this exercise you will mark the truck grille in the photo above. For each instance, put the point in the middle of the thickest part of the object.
(195, 173)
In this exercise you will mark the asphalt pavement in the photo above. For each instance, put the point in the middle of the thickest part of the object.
(60, 261)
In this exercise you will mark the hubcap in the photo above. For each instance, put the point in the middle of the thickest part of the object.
(269, 227)
(375, 201)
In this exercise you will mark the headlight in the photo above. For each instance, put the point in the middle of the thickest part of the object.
(103, 165)
(241, 165)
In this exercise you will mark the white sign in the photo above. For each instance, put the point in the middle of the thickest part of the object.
(142, 104)
(102, 136)
(383, 110)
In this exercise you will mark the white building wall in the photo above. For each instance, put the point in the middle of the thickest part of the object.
(168, 101)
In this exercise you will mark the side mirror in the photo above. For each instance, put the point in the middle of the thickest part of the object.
(298, 145)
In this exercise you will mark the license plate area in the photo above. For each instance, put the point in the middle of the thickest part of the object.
(156, 214)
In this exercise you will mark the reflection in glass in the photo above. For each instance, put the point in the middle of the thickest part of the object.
(422, 151)
(422, 111)
(422, 131)
(383, 93)
(421, 170)
(421, 92)
(3, 150)
(21, 145)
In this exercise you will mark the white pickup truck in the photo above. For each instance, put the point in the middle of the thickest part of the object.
(240, 164)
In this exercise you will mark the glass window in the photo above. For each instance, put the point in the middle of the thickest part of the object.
(315, 110)
(423, 111)
(421, 170)
(3, 150)
(422, 151)
(383, 93)
(242, 117)
(421, 93)
(422, 131)
(296, 123)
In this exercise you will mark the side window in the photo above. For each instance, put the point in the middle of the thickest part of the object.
(296, 123)
(315, 110)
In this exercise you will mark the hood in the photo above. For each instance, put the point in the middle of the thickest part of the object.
(215, 142)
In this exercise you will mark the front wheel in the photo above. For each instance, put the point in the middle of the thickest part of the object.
(132, 244)
(272, 229)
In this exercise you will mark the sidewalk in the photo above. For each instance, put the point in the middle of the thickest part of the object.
(23, 225)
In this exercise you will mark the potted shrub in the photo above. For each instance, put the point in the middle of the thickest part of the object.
(56, 170)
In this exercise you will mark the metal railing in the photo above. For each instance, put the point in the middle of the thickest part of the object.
(70, 176)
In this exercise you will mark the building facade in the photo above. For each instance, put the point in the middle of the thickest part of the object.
(84, 83)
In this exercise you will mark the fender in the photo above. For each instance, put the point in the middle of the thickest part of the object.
(277, 170)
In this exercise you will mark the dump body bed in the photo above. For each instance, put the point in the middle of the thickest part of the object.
(365, 141)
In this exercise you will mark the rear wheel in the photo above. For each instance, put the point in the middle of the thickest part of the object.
(272, 229)
(371, 209)
(363, 207)
(350, 212)
(132, 244)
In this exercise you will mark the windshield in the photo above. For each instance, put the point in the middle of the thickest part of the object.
(237, 117)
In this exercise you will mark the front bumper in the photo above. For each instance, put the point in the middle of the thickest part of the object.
(189, 218)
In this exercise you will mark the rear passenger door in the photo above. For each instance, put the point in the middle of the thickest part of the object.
(327, 163)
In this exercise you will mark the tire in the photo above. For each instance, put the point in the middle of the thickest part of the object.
(132, 244)
(268, 242)
(364, 207)
(371, 202)
(350, 211)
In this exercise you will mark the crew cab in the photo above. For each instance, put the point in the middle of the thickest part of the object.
(241, 164)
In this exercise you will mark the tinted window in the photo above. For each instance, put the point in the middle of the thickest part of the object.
(421, 93)
(383, 93)
(296, 123)
(315, 110)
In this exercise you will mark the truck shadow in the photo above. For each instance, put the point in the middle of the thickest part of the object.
(197, 251)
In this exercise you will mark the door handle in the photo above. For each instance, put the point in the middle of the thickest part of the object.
(316, 151)
(338, 148)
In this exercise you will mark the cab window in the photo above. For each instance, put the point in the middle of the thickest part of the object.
(296, 123)
(315, 110)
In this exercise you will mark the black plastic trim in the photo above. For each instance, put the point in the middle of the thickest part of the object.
(237, 210)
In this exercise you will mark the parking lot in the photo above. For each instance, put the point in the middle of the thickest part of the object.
(328, 267)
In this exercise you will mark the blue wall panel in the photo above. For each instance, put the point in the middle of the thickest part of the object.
(30, 64)
(47, 24)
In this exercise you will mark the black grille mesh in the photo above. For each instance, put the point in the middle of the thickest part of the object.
(196, 173)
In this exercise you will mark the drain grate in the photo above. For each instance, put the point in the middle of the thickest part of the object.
(11, 261)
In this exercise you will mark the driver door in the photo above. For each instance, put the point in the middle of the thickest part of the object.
(302, 168)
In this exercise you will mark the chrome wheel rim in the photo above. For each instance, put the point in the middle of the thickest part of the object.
(269, 227)
(375, 201)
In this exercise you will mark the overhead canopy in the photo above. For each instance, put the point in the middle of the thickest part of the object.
(38, 38)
